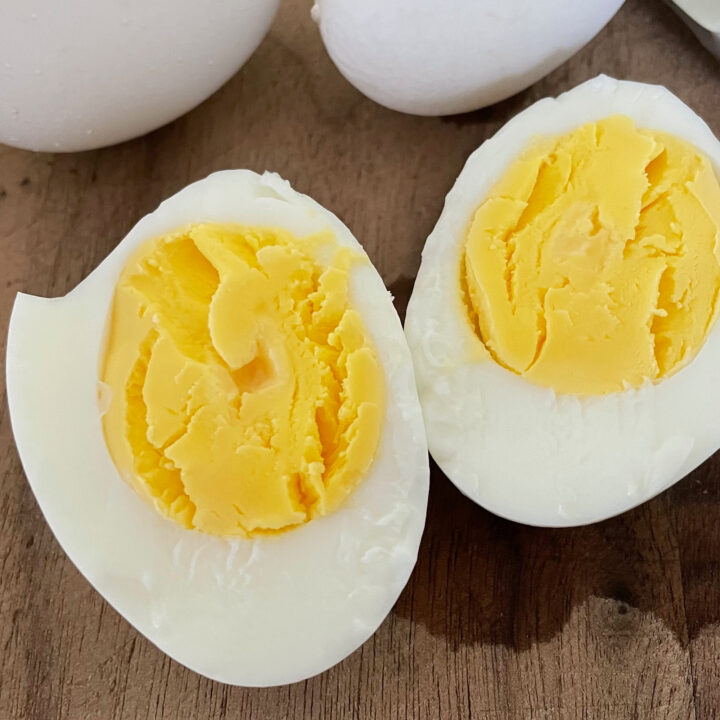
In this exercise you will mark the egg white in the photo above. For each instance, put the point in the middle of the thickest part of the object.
(439, 57)
(257, 612)
(521, 450)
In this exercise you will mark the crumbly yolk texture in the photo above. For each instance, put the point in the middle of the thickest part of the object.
(246, 395)
(594, 263)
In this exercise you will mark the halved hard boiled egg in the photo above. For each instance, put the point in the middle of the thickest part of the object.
(222, 429)
(563, 321)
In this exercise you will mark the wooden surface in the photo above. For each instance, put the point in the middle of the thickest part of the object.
(618, 620)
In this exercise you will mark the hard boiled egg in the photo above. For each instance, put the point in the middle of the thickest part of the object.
(81, 74)
(703, 18)
(437, 58)
(221, 427)
(563, 321)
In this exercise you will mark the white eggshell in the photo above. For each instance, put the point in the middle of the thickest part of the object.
(519, 449)
(438, 57)
(703, 12)
(258, 612)
(703, 18)
(81, 74)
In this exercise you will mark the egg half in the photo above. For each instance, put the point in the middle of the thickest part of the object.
(80, 74)
(563, 320)
(221, 427)
(439, 58)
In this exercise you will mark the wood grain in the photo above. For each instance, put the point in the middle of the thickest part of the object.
(618, 620)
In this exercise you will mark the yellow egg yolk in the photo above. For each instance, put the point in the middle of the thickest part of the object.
(594, 263)
(246, 394)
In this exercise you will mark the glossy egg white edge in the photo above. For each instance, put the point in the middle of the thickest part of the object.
(83, 74)
(427, 57)
(257, 612)
(518, 449)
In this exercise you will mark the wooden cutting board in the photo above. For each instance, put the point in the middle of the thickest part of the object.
(618, 620)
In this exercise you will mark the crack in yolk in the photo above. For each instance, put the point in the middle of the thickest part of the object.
(594, 263)
(247, 397)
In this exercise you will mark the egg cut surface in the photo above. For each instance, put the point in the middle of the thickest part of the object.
(221, 427)
(426, 57)
(563, 321)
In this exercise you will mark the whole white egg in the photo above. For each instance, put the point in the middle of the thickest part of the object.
(427, 57)
(520, 449)
(703, 18)
(703, 12)
(253, 611)
(80, 74)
